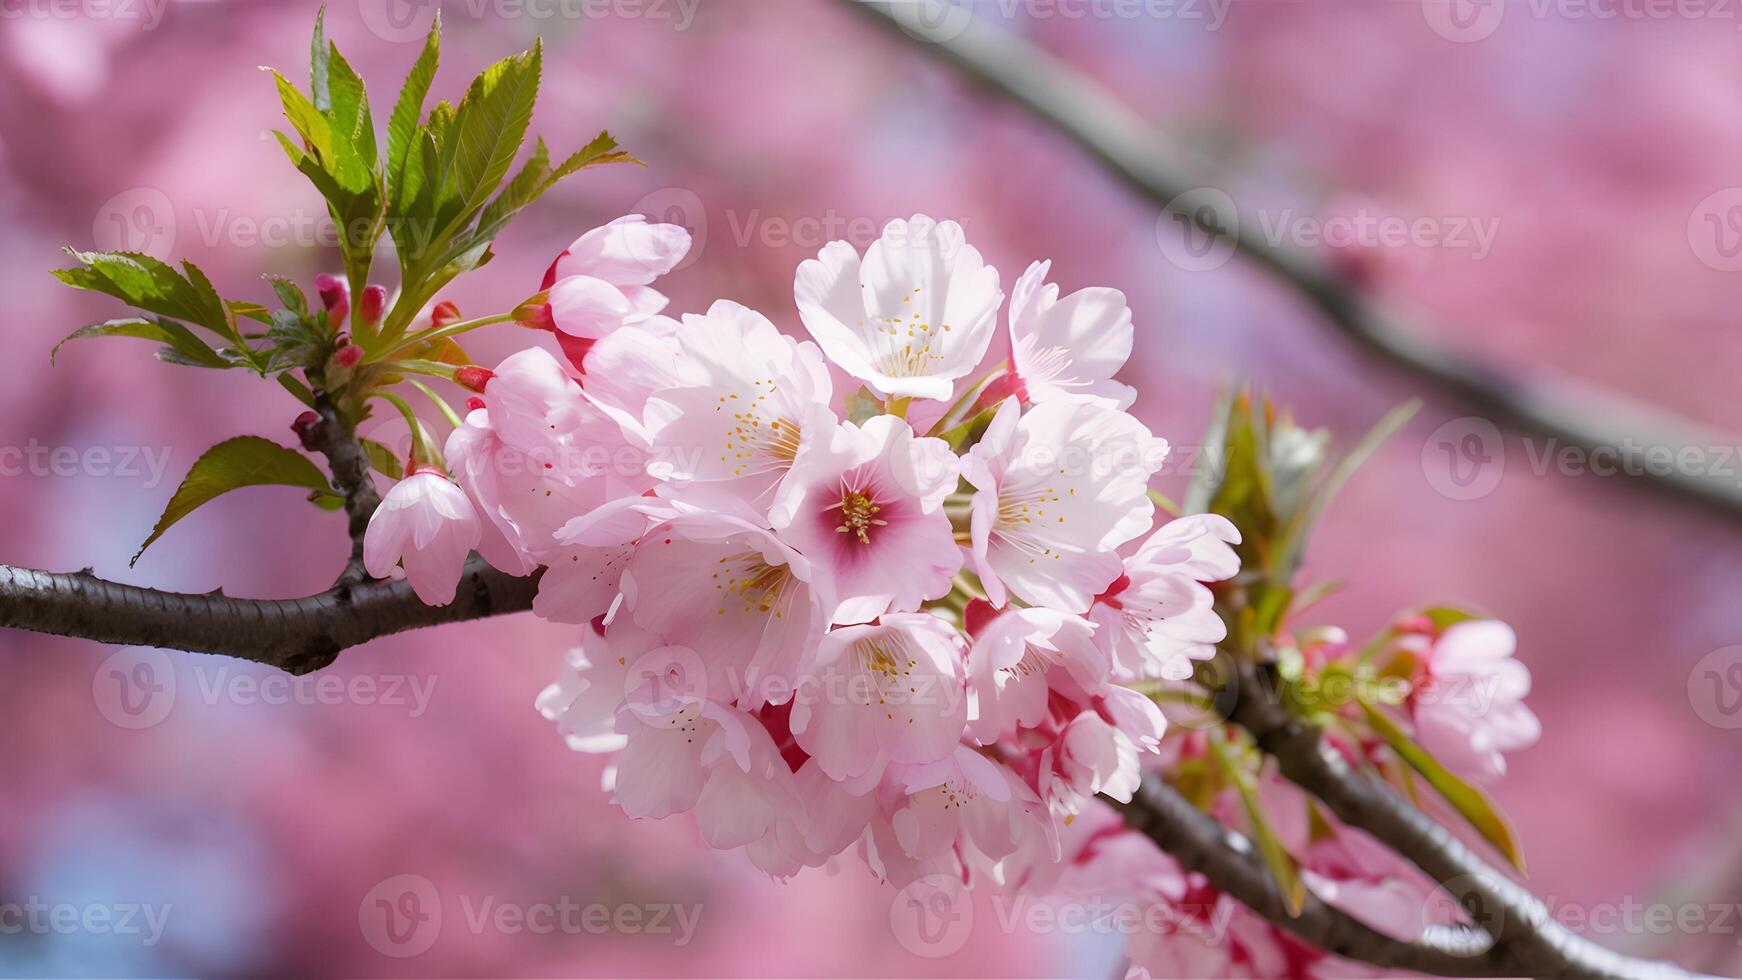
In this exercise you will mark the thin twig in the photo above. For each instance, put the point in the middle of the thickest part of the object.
(1603, 424)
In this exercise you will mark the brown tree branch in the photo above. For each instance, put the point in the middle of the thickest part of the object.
(1528, 941)
(1199, 843)
(1600, 423)
(333, 438)
(294, 635)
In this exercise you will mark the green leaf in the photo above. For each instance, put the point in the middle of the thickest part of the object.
(290, 295)
(246, 461)
(151, 285)
(353, 127)
(178, 338)
(1473, 804)
(968, 433)
(491, 124)
(383, 460)
(402, 124)
(1283, 869)
(317, 72)
(308, 121)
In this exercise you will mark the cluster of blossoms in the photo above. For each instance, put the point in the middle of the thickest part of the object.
(898, 588)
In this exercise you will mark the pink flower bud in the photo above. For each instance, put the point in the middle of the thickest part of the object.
(332, 289)
(304, 427)
(474, 377)
(348, 355)
(474, 403)
(535, 315)
(444, 313)
(374, 304)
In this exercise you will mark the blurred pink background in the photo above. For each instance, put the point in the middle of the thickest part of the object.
(267, 820)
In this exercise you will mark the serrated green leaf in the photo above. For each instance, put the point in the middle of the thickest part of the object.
(246, 461)
(491, 124)
(178, 338)
(151, 285)
(402, 124)
(1471, 803)
(290, 294)
(352, 126)
(309, 122)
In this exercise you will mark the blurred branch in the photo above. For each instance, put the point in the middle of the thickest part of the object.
(1159, 171)
(295, 635)
(1200, 843)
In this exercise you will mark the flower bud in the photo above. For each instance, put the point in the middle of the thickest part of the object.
(474, 377)
(332, 290)
(444, 313)
(348, 355)
(304, 426)
(535, 313)
(373, 305)
(474, 403)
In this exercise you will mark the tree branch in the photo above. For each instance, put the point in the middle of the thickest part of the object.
(1528, 941)
(1158, 171)
(333, 438)
(1199, 843)
(295, 635)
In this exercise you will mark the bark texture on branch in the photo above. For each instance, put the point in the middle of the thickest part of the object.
(295, 635)
(349, 463)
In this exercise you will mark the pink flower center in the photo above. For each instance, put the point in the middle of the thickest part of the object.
(859, 515)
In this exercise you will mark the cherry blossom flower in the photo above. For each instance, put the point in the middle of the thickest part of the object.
(753, 400)
(1157, 617)
(1068, 348)
(601, 282)
(429, 524)
(1470, 710)
(890, 692)
(1012, 665)
(1060, 487)
(868, 507)
(913, 315)
(751, 607)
